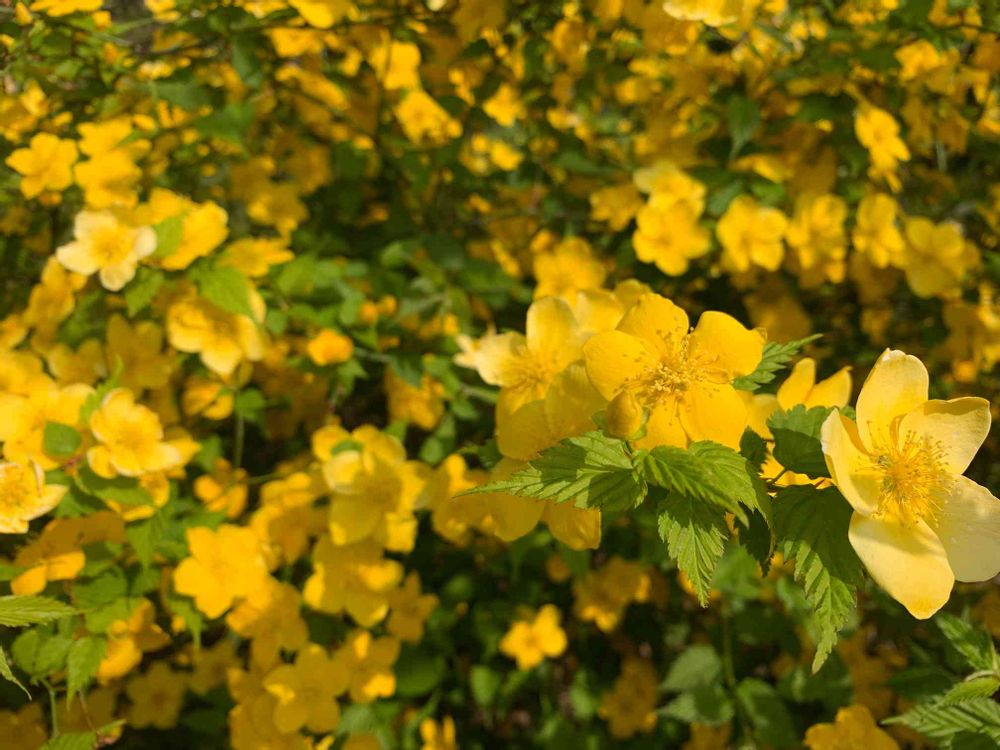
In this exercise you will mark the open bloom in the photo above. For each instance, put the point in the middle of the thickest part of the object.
(918, 524)
(24, 496)
(682, 377)
(108, 247)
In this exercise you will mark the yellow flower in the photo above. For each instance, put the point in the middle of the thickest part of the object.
(322, 14)
(127, 640)
(424, 120)
(57, 554)
(224, 490)
(25, 417)
(570, 267)
(524, 365)
(353, 578)
(528, 642)
(65, 7)
(683, 379)
(254, 256)
(918, 524)
(105, 245)
(505, 106)
(604, 594)
(139, 349)
(222, 339)
(130, 438)
(46, 164)
(816, 233)
(751, 234)
(878, 132)
(616, 204)
(629, 707)
(157, 697)
(225, 565)
(935, 257)
(211, 664)
(109, 180)
(270, 617)
(800, 387)
(204, 226)
(24, 727)
(368, 663)
(409, 609)
(438, 736)
(307, 692)
(854, 728)
(396, 64)
(421, 406)
(668, 234)
(329, 347)
(875, 232)
(24, 496)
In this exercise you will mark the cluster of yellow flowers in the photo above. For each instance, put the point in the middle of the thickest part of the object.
(298, 291)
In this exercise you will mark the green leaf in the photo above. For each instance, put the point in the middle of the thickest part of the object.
(775, 358)
(743, 117)
(84, 657)
(7, 674)
(710, 472)
(772, 722)
(74, 741)
(695, 532)
(60, 440)
(418, 671)
(145, 536)
(229, 123)
(974, 645)
(797, 444)
(39, 653)
(226, 288)
(185, 94)
(709, 704)
(695, 667)
(142, 290)
(593, 470)
(980, 687)
(940, 721)
(18, 611)
(811, 527)
(484, 683)
(169, 234)
(124, 490)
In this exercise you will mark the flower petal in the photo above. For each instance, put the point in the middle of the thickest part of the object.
(735, 349)
(798, 384)
(613, 358)
(847, 461)
(969, 529)
(958, 427)
(909, 562)
(896, 385)
(551, 330)
(656, 320)
(714, 412)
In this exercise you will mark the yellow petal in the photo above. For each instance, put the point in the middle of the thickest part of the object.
(714, 412)
(796, 388)
(958, 427)
(896, 385)
(735, 349)
(909, 562)
(663, 428)
(656, 320)
(570, 403)
(834, 391)
(969, 528)
(523, 433)
(760, 407)
(614, 357)
(577, 528)
(551, 330)
(847, 461)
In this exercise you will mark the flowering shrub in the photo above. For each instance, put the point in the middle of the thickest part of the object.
(439, 374)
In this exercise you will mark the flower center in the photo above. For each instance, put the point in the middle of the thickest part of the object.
(14, 488)
(112, 245)
(912, 475)
(680, 368)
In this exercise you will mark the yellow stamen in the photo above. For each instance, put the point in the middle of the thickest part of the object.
(913, 476)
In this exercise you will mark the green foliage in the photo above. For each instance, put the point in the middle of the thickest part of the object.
(224, 287)
(81, 664)
(811, 528)
(775, 359)
(695, 532)
(18, 611)
(942, 721)
(797, 439)
(60, 440)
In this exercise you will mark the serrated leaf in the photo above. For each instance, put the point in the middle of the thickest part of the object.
(768, 713)
(774, 359)
(811, 527)
(980, 687)
(226, 288)
(18, 611)
(797, 444)
(7, 674)
(145, 536)
(142, 290)
(39, 653)
(60, 440)
(124, 490)
(695, 532)
(975, 645)
(710, 472)
(84, 658)
(591, 469)
(941, 722)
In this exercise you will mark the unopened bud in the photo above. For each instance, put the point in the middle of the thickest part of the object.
(623, 415)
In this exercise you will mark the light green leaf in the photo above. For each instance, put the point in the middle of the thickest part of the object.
(124, 490)
(169, 234)
(695, 532)
(18, 611)
(941, 722)
(84, 658)
(974, 644)
(811, 528)
(7, 674)
(980, 687)
(226, 288)
(591, 469)
(142, 290)
(696, 666)
(797, 439)
(60, 440)
(775, 358)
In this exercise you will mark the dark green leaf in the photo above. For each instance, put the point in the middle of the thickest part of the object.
(695, 532)
(797, 444)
